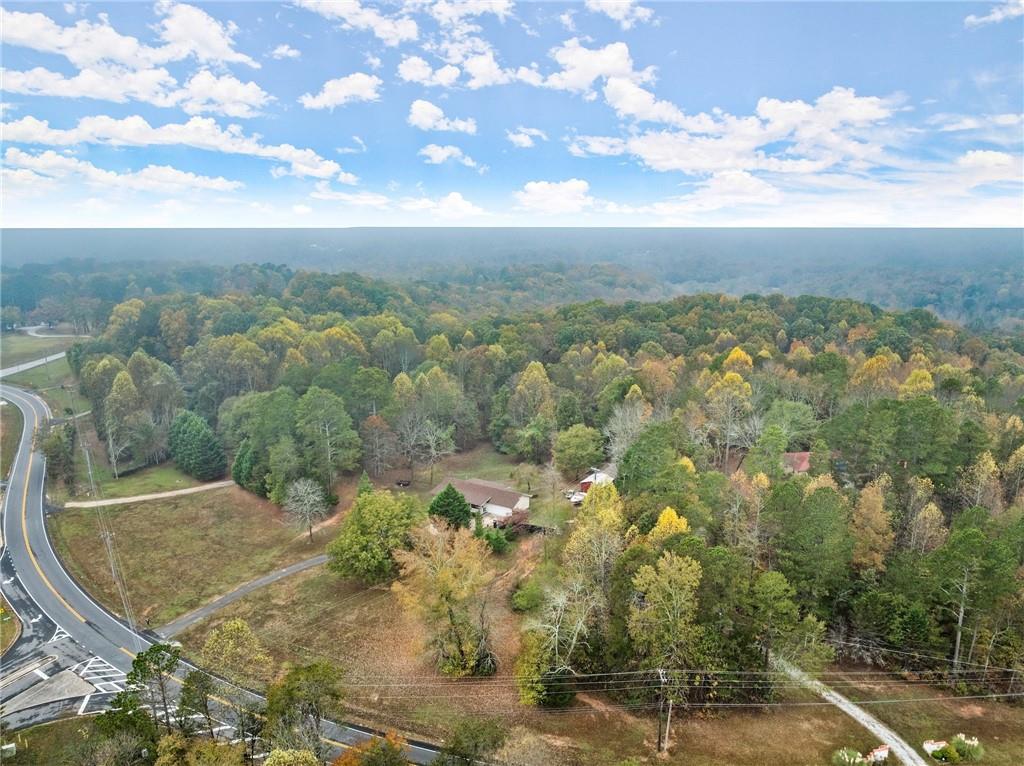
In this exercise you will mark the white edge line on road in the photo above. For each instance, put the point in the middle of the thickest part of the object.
(85, 703)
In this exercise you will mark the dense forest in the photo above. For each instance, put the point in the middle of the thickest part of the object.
(708, 559)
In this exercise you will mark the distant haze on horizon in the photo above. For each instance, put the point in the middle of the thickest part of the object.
(336, 249)
(971, 276)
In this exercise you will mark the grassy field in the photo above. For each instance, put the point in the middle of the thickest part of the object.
(317, 615)
(16, 347)
(51, 744)
(10, 626)
(11, 423)
(157, 478)
(998, 725)
(56, 385)
(181, 552)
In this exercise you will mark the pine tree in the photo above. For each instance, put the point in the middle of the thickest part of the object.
(243, 467)
(365, 485)
(195, 448)
(821, 458)
(451, 505)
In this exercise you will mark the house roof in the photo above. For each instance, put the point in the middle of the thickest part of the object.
(479, 492)
(601, 474)
(797, 462)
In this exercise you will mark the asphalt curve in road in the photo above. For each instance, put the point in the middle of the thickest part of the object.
(62, 621)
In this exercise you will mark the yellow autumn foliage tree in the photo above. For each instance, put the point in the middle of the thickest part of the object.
(669, 523)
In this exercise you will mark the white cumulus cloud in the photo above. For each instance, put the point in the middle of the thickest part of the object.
(625, 12)
(285, 51)
(343, 90)
(523, 137)
(1008, 9)
(427, 116)
(198, 132)
(416, 69)
(391, 30)
(555, 197)
(434, 154)
(152, 178)
(451, 206)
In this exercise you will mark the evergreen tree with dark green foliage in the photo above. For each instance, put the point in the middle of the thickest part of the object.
(821, 458)
(766, 454)
(243, 470)
(451, 505)
(811, 543)
(365, 485)
(126, 715)
(568, 411)
(195, 448)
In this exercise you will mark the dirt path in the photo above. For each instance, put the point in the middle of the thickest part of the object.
(152, 496)
(901, 749)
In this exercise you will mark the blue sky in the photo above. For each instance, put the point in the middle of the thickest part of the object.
(497, 113)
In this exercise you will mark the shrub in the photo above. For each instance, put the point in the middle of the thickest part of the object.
(848, 757)
(528, 596)
(968, 748)
(947, 754)
(495, 539)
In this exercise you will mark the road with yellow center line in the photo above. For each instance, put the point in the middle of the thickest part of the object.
(61, 619)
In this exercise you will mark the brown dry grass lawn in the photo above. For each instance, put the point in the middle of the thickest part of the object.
(998, 725)
(180, 552)
(391, 682)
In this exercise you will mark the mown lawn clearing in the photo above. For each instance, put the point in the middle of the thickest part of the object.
(17, 347)
(179, 553)
(11, 423)
(55, 384)
(157, 478)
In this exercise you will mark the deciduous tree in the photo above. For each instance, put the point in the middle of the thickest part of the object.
(234, 651)
(578, 448)
(306, 504)
(871, 527)
(377, 525)
(444, 581)
(321, 419)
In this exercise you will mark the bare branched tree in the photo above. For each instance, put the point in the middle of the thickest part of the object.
(306, 504)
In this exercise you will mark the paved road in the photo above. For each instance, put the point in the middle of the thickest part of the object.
(186, 621)
(152, 496)
(900, 748)
(30, 365)
(34, 331)
(63, 622)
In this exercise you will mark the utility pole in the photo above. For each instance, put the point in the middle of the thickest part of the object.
(664, 712)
